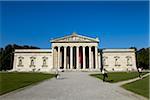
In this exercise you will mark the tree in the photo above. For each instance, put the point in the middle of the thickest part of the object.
(143, 58)
(133, 48)
(7, 55)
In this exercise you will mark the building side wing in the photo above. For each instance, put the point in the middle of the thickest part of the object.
(119, 59)
(33, 60)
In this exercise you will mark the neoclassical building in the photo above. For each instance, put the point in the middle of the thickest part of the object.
(74, 53)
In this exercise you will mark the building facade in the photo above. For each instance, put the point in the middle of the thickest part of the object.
(74, 53)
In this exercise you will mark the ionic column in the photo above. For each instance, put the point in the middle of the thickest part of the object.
(58, 59)
(65, 57)
(96, 58)
(71, 58)
(60, 64)
(90, 67)
(77, 57)
(83, 48)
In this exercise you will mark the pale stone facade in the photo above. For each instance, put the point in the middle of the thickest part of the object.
(119, 59)
(74, 53)
(26, 60)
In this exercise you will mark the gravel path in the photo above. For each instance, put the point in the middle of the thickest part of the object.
(131, 80)
(72, 86)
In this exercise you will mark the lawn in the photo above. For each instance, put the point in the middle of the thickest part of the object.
(140, 87)
(13, 80)
(118, 76)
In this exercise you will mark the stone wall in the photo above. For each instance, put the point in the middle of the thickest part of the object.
(119, 59)
(41, 60)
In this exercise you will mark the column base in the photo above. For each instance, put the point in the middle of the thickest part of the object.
(75, 70)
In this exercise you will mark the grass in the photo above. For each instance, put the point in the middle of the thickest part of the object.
(118, 76)
(13, 80)
(140, 87)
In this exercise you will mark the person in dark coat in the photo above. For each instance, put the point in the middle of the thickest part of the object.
(104, 72)
(140, 72)
(57, 74)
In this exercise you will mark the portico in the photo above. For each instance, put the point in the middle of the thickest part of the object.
(75, 52)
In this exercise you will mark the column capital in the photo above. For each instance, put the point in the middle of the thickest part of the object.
(90, 47)
(71, 46)
(77, 46)
(58, 47)
(83, 46)
(65, 46)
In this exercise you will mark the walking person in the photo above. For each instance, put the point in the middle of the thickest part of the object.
(104, 72)
(140, 72)
(57, 74)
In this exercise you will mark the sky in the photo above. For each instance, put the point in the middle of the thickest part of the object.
(117, 24)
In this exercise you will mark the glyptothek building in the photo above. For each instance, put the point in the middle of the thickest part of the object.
(74, 53)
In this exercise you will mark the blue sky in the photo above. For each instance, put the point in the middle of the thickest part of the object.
(117, 24)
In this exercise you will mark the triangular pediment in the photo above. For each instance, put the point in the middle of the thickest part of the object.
(75, 38)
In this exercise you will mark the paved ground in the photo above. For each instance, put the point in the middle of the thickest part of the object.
(72, 86)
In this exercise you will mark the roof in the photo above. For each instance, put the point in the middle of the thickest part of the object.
(118, 50)
(74, 37)
(33, 50)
